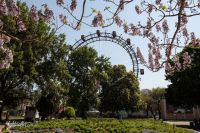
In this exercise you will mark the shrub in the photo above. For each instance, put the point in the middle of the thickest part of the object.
(70, 112)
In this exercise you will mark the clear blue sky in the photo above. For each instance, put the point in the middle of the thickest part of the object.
(118, 55)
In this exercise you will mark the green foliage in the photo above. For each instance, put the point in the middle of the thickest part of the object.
(120, 91)
(70, 112)
(151, 100)
(47, 105)
(40, 59)
(184, 88)
(83, 90)
(105, 126)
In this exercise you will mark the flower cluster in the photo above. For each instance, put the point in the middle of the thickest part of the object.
(63, 19)
(21, 26)
(12, 7)
(158, 28)
(154, 57)
(137, 9)
(135, 30)
(158, 2)
(126, 28)
(48, 14)
(165, 26)
(98, 20)
(73, 5)
(140, 56)
(150, 8)
(3, 8)
(34, 14)
(118, 21)
(178, 65)
(7, 56)
(60, 2)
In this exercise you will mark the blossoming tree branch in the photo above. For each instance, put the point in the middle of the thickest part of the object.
(162, 38)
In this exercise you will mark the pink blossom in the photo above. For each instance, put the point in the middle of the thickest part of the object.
(177, 64)
(140, 56)
(5, 38)
(73, 5)
(168, 68)
(98, 20)
(167, 50)
(135, 30)
(186, 59)
(118, 21)
(48, 14)
(1, 43)
(126, 28)
(158, 28)
(149, 23)
(150, 8)
(63, 19)
(158, 2)
(3, 8)
(185, 32)
(60, 2)
(184, 20)
(165, 26)
(153, 39)
(21, 26)
(13, 9)
(146, 32)
(137, 9)
(151, 64)
(34, 14)
(8, 58)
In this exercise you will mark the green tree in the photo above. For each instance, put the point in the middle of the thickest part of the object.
(157, 95)
(152, 100)
(38, 46)
(83, 86)
(184, 88)
(146, 100)
(47, 105)
(120, 91)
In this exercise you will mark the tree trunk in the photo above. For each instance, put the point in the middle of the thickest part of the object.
(153, 114)
(159, 110)
(159, 114)
(1, 112)
(147, 113)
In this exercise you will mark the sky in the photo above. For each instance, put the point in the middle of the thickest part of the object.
(116, 53)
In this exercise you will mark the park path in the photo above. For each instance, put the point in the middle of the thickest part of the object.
(185, 124)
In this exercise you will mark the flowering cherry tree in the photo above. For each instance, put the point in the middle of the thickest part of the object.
(10, 8)
(162, 38)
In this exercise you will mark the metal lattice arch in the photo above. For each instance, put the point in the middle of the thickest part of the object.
(111, 37)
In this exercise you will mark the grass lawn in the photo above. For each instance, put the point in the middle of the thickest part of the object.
(103, 126)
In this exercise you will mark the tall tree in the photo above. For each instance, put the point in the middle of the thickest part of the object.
(146, 100)
(120, 91)
(83, 86)
(30, 55)
(152, 100)
(157, 95)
